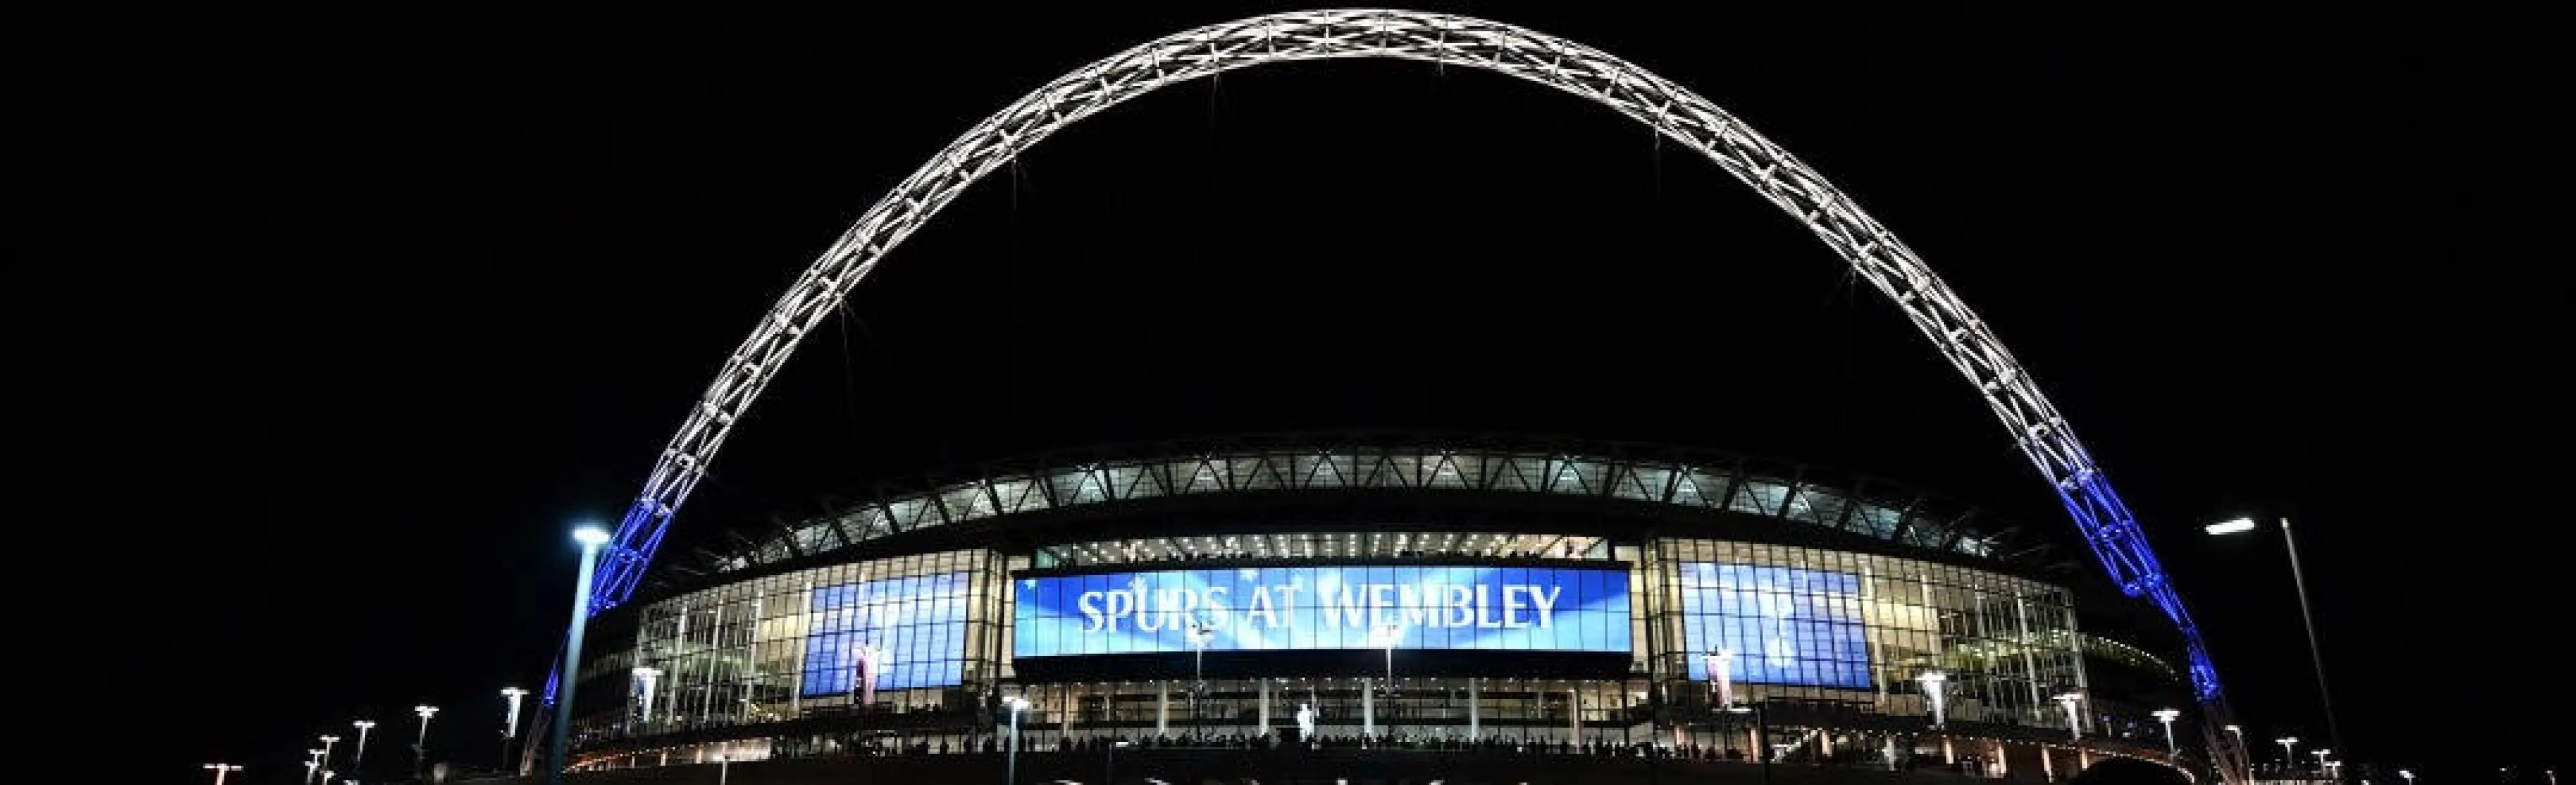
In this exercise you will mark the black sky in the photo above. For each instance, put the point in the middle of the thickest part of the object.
(432, 286)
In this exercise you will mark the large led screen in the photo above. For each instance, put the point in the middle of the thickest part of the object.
(1279, 608)
(916, 625)
(1783, 625)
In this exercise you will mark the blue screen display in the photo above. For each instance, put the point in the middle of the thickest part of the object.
(917, 625)
(1784, 625)
(1277, 608)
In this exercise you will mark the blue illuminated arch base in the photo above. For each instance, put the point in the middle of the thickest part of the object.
(1676, 113)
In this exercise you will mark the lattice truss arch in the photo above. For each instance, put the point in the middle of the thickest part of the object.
(1671, 110)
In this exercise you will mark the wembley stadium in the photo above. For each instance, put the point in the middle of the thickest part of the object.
(1401, 596)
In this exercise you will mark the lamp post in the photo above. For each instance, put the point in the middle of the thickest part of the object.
(1721, 676)
(328, 741)
(1199, 637)
(1932, 681)
(1388, 635)
(2298, 580)
(358, 758)
(648, 676)
(420, 746)
(567, 672)
(1111, 776)
(724, 769)
(2409, 774)
(2322, 753)
(1012, 770)
(221, 769)
(2074, 719)
(510, 722)
(2289, 753)
(2167, 716)
(312, 763)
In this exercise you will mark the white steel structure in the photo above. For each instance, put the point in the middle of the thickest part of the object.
(1873, 252)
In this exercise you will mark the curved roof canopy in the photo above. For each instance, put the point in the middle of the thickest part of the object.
(1639, 473)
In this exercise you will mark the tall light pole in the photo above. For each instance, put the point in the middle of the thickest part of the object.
(420, 746)
(568, 672)
(221, 769)
(1012, 770)
(1932, 681)
(1721, 676)
(2289, 753)
(648, 676)
(2167, 716)
(510, 722)
(1199, 636)
(2074, 719)
(2322, 754)
(1388, 635)
(358, 759)
(328, 741)
(312, 763)
(2298, 580)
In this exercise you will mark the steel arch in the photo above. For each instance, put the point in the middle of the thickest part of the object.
(1683, 116)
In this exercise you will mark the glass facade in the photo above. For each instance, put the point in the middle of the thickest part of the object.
(912, 654)
(796, 645)
(1862, 629)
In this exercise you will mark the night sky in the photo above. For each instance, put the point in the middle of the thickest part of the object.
(432, 288)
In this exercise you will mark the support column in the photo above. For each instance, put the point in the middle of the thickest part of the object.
(1475, 706)
(1368, 709)
(1574, 715)
(1072, 705)
(1162, 708)
(1265, 709)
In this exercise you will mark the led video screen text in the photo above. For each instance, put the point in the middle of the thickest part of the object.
(1782, 625)
(1287, 608)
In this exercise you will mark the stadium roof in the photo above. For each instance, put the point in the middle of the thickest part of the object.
(1642, 473)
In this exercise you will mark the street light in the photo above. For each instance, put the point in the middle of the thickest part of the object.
(2167, 716)
(1387, 637)
(358, 759)
(647, 676)
(2409, 774)
(590, 537)
(221, 769)
(1721, 675)
(2322, 754)
(2074, 720)
(1932, 687)
(2298, 580)
(2289, 752)
(1199, 637)
(510, 722)
(312, 763)
(1111, 776)
(1018, 704)
(420, 746)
